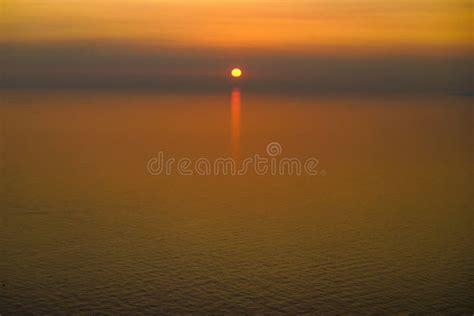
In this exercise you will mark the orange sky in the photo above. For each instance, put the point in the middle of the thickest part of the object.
(406, 25)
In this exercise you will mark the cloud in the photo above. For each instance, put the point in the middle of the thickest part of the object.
(93, 65)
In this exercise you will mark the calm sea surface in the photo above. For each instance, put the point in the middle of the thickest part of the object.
(386, 226)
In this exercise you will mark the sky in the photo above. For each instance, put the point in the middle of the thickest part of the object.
(164, 42)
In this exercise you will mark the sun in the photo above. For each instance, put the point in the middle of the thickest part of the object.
(236, 73)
